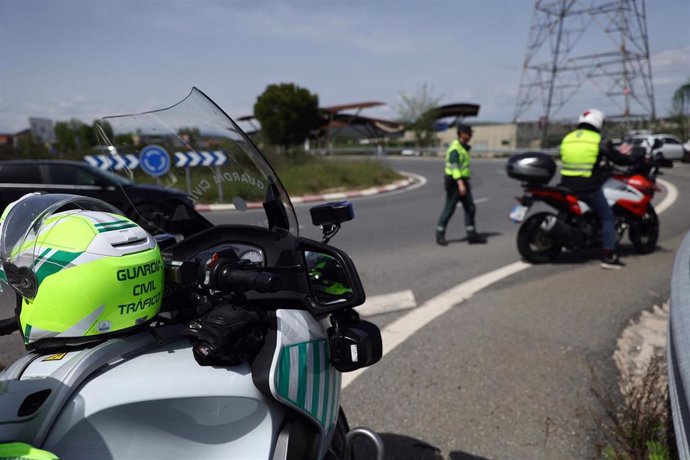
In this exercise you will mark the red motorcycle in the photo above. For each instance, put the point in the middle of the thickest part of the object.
(574, 225)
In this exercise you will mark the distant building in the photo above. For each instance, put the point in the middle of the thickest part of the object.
(6, 139)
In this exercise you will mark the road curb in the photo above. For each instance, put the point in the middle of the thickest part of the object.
(397, 185)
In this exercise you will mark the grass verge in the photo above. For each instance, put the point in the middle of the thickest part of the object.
(637, 421)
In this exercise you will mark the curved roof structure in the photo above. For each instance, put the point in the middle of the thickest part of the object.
(459, 110)
(334, 118)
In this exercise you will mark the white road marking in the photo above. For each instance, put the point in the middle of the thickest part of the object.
(403, 328)
(400, 330)
(387, 303)
(669, 199)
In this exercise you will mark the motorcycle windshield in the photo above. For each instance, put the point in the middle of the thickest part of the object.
(192, 154)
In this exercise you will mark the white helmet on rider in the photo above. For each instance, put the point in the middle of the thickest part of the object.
(592, 117)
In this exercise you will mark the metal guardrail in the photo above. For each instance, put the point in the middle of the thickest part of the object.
(678, 348)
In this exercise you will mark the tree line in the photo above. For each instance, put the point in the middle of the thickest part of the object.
(289, 114)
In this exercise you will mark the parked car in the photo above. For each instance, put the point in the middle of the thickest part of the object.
(672, 147)
(19, 177)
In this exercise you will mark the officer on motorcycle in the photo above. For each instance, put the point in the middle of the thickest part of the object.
(581, 153)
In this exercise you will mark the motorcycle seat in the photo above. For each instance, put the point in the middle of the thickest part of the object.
(560, 188)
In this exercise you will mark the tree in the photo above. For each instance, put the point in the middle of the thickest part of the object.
(416, 112)
(680, 110)
(287, 113)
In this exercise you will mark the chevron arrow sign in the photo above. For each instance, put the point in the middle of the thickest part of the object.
(191, 159)
(117, 162)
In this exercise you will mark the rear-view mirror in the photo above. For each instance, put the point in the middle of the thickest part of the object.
(332, 278)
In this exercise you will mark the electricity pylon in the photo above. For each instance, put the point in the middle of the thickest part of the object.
(600, 43)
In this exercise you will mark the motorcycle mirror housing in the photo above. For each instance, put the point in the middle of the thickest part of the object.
(330, 215)
(333, 281)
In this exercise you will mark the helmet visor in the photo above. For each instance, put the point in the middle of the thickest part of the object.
(20, 251)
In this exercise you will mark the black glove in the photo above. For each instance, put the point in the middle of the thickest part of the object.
(227, 335)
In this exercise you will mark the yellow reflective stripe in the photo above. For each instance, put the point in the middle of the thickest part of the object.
(578, 166)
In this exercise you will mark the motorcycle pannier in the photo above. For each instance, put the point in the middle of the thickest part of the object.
(534, 167)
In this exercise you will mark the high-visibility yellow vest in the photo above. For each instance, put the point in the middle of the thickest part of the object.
(462, 167)
(579, 152)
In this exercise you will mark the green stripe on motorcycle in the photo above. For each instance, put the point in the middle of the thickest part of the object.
(311, 360)
(315, 391)
(302, 370)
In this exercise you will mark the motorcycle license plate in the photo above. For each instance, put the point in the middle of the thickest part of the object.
(518, 213)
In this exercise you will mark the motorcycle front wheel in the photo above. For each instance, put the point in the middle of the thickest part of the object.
(535, 244)
(644, 233)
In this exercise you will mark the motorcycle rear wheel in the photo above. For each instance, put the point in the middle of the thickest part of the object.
(644, 233)
(535, 244)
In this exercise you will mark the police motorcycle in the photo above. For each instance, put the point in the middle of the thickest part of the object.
(201, 341)
(629, 192)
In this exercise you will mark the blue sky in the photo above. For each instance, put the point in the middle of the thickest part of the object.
(87, 59)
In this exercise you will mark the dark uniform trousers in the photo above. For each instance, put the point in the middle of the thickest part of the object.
(452, 198)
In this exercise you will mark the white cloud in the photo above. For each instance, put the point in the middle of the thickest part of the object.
(675, 59)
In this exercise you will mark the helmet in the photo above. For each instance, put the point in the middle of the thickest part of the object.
(83, 271)
(464, 129)
(592, 117)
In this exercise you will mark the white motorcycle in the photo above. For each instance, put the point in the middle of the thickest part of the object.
(244, 359)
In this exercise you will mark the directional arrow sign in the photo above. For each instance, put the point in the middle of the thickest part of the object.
(194, 158)
(131, 161)
(118, 162)
(207, 158)
(181, 159)
(93, 161)
(221, 158)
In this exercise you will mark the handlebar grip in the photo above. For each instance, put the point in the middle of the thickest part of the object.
(8, 326)
(245, 280)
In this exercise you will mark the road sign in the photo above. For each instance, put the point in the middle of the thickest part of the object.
(154, 160)
(116, 162)
(191, 159)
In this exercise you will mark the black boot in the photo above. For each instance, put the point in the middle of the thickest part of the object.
(441, 239)
(475, 238)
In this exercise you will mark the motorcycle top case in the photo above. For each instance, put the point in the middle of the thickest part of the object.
(533, 167)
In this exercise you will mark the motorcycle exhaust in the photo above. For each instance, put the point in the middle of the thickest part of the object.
(366, 432)
(562, 232)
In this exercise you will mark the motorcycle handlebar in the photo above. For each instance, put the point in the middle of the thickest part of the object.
(8, 326)
(246, 280)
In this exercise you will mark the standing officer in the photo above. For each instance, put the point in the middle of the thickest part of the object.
(457, 184)
(581, 153)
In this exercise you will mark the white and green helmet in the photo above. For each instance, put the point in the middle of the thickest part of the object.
(83, 271)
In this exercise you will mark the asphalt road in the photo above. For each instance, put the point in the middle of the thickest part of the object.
(509, 372)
